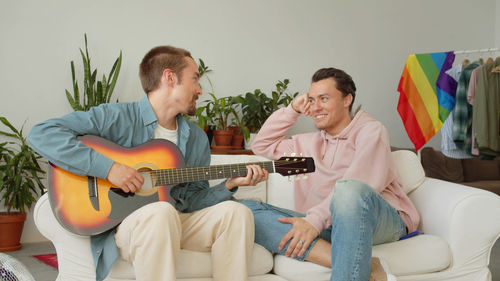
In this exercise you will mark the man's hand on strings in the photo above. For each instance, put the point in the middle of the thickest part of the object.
(255, 174)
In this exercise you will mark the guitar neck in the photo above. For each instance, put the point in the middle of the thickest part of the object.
(193, 174)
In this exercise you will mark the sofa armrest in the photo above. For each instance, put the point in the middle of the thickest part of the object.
(466, 217)
(73, 251)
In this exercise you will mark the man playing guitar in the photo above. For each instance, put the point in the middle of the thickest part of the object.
(203, 218)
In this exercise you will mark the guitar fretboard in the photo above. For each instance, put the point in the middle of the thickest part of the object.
(184, 175)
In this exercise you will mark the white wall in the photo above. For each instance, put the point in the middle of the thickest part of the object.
(497, 25)
(249, 44)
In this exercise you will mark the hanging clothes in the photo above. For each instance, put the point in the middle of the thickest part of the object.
(448, 146)
(470, 99)
(462, 114)
(486, 110)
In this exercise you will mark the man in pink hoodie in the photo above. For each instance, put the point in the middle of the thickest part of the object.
(352, 201)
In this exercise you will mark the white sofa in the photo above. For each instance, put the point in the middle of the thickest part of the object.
(460, 224)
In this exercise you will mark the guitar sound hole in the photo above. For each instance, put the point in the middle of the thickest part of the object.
(121, 192)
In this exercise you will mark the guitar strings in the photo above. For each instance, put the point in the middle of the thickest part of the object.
(183, 174)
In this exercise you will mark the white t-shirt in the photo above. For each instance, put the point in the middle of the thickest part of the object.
(163, 133)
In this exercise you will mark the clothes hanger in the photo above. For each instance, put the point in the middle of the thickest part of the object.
(466, 60)
(497, 68)
(489, 59)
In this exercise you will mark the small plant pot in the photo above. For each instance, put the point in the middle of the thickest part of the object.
(236, 129)
(237, 142)
(223, 137)
(11, 228)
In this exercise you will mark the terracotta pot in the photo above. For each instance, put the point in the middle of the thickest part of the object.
(236, 129)
(11, 228)
(223, 137)
(237, 141)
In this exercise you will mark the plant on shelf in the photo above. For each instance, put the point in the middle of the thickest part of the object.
(239, 122)
(20, 181)
(218, 111)
(256, 106)
(280, 98)
(203, 116)
(95, 92)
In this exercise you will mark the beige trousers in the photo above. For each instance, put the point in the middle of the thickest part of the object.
(151, 238)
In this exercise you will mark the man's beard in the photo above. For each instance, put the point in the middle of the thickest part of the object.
(191, 111)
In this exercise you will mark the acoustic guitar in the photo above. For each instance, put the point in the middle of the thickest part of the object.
(88, 205)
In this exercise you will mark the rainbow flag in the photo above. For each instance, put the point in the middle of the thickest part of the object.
(420, 100)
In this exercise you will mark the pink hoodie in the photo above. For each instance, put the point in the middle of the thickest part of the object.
(360, 151)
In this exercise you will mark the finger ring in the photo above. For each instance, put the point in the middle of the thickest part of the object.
(300, 242)
(254, 179)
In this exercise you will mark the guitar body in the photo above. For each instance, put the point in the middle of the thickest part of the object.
(80, 211)
(87, 205)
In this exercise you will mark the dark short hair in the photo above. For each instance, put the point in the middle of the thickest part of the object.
(157, 60)
(344, 81)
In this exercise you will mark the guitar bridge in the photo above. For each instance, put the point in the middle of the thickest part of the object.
(93, 194)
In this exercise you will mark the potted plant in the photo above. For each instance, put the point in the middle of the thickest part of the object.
(95, 92)
(238, 124)
(20, 181)
(203, 116)
(280, 98)
(218, 111)
(256, 106)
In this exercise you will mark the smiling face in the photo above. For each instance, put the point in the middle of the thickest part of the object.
(329, 107)
(186, 89)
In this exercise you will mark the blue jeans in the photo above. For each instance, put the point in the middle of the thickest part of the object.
(361, 217)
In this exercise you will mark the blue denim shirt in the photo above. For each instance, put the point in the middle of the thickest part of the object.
(129, 125)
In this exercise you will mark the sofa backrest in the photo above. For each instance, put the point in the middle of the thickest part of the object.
(279, 190)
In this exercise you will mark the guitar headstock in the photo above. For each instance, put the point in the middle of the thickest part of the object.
(290, 165)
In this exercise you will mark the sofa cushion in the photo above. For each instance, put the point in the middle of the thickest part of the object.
(410, 170)
(199, 264)
(476, 169)
(294, 270)
(439, 166)
(418, 255)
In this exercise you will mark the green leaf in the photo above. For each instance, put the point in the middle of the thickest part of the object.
(19, 172)
(11, 127)
(114, 73)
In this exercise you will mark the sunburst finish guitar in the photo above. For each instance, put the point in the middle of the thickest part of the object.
(88, 205)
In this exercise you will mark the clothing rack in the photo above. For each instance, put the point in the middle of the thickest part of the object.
(487, 50)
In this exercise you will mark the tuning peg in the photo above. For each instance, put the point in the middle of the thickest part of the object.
(305, 177)
(289, 178)
(284, 154)
(293, 154)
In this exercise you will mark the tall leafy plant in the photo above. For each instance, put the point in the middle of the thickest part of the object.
(219, 110)
(95, 91)
(20, 173)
